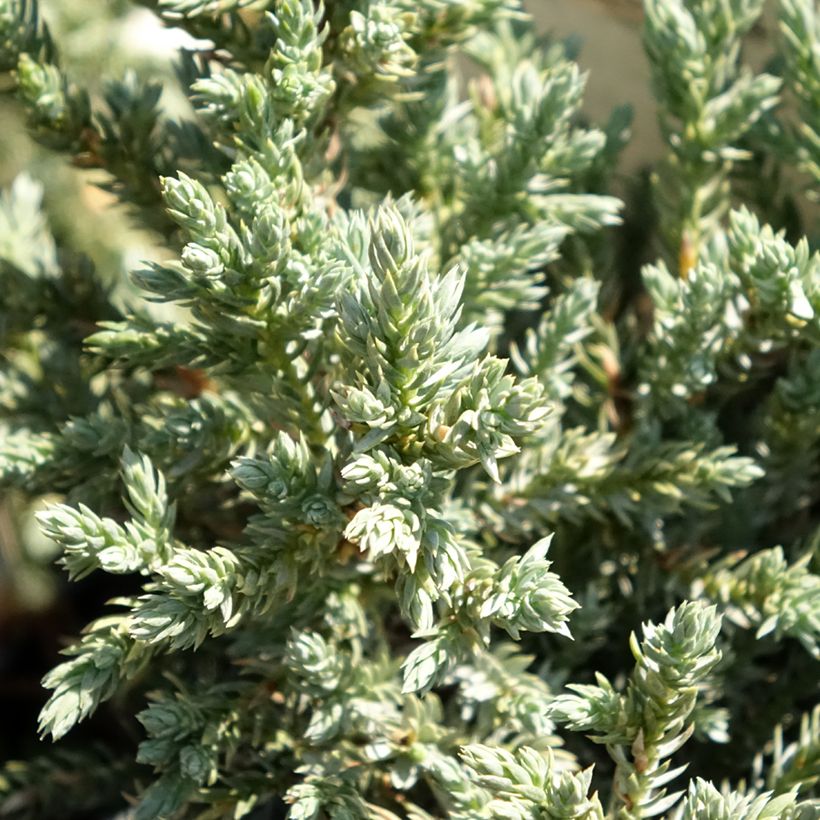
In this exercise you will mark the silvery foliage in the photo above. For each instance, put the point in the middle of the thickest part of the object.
(336, 497)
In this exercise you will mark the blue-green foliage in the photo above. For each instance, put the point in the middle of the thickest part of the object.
(334, 497)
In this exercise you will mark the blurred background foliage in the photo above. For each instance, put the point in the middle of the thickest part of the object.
(38, 609)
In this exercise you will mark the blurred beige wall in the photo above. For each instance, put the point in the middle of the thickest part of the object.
(611, 51)
(610, 32)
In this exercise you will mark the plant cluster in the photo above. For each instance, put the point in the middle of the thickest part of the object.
(428, 504)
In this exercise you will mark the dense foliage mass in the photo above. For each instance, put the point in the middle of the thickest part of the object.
(447, 484)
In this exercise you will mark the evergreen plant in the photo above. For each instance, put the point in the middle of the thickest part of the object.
(453, 475)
